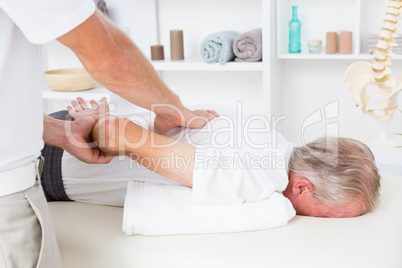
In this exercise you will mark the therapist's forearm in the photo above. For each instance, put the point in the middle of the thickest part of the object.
(131, 76)
(119, 65)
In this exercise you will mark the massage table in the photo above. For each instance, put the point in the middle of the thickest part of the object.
(90, 236)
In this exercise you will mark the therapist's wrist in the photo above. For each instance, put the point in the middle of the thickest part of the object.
(54, 131)
(170, 109)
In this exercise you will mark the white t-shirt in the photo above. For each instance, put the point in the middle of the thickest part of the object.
(23, 25)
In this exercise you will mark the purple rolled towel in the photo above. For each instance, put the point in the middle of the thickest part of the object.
(248, 46)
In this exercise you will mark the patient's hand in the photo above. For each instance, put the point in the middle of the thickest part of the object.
(80, 109)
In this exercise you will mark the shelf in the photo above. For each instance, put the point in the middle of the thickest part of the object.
(197, 64)
(323, 56)
(96, 94)
(317, 18)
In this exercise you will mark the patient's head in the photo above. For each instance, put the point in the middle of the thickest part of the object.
(333, 177)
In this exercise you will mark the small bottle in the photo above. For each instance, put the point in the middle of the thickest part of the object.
(294, 33)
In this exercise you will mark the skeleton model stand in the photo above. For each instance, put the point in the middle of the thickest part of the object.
(359, 75)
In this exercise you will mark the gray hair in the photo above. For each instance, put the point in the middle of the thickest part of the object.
(341, 169)
(101, 5)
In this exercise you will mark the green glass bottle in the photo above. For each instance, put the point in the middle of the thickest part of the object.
(294, 33)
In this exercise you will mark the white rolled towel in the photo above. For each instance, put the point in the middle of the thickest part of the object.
(158, 209)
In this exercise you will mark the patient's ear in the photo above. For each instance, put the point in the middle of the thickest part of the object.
(303, 188)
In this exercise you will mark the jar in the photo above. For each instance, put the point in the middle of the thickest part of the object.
(314, 46)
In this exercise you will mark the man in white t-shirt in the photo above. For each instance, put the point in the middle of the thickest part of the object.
(26, 233)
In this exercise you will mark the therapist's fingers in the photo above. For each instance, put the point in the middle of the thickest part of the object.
(104, 106)
(95, 156)
(94, 104)
(82, 103)
(213, 112)
(71, 111)
(76, 105)
(207, 114)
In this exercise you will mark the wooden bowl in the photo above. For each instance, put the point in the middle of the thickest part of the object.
(75, 79)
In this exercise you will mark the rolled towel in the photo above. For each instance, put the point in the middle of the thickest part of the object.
(158, 209)
(217, 47)
(248, 46)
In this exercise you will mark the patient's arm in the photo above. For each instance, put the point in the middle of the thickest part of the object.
(163, 155)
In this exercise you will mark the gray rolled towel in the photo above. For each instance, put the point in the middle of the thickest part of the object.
(248, 46)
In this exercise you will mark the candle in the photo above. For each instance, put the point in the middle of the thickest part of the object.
(332, 40)
(157, 52)
(176, 45)
(346, 42)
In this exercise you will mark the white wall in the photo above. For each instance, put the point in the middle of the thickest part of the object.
(310, 85)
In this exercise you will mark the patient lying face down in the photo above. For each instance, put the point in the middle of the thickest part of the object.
(329, 177)
(335, 178)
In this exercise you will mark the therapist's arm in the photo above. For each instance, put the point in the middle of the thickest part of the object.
(116, 62)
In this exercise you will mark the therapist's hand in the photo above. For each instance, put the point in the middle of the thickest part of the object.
(74, 137)
(79, 144)
(183, 117)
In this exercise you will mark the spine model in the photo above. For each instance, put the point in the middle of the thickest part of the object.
(383, 51)
(361, 74)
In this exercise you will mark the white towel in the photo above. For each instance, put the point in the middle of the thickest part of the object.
(157, 209)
